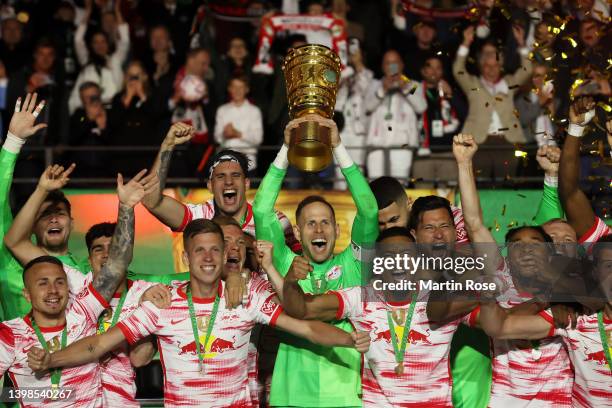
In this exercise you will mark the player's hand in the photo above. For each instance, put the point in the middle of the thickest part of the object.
(548, 158)
(159, 295)
(55, 177)
(324, 122)
(264, 250)
(178, 134)
(361, 341)
(580, 110)
(38, 360)
(464, 148)
(132, 192)
(299, 269)
(565, 317)
(235, 290)
(22, 122)
(468, 36)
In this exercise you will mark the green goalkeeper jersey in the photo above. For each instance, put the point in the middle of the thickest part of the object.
(305, 374)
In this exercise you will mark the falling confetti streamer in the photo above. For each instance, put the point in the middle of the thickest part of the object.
(503, 210)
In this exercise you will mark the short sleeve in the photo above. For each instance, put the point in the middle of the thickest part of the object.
(90, 302)
(462, 236)
(7, 348)
(471, 318)
(263, 306)
(143, 322)
(598, 230)
(77, 280)
(187, 216)
(350, 303)
(547, 315)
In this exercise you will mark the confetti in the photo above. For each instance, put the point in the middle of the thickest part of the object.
(605, 106)
(522, 195)
(475, 89)
(503, 210)
(513, 87)
(499, 99)
(516, 113)
(497, 227)
(486, 104)
(563, 55)
(502, 129)
(520, 153)
(460, 73)
(512, 224)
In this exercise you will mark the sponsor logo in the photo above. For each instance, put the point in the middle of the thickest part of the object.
(334, 273)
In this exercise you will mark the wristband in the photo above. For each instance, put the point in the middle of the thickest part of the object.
(13, 143)
(281, 161)
(551, 181)
(343, 159)
(575, 130)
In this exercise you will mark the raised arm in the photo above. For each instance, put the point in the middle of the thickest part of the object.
(166, 209)
(462, 76)
(577, 206)
(17, 238)
(264, 251)
(122, 243)
(302, 306)
(550, 207)
(79, 36)
(521, 75)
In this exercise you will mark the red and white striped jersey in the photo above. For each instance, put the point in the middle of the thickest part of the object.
(462, 235)
(426, 380)
(224, 380)
(593, 378)
(597, 231)
(529, 373)
(17, 337)
(207, 211)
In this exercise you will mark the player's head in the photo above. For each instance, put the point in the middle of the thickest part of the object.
(228, 181)
(204, 250)
(46, 285)
(393, 203)
(563, 235)
(391, 242)
(53, 223)
(98, 240)
(602, 262)
(235, 244)
(529, 250)
(432, 225)
(316, 228)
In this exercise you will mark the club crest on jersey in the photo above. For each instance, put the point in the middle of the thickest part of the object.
(269, 306)
(334, 273)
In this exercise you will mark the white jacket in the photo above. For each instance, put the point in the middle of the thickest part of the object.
(246, 119)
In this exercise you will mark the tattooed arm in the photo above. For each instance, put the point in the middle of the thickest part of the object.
(122, 244)
(166, 209)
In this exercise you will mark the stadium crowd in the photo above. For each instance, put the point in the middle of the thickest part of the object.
(462, 92)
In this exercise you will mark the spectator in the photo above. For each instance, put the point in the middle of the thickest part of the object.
(89, 127)
(13, 50)
(393, 103)
(439, 124)
(238, 125)
(160, 59)
(536, 107)
(62, 29)
(418, 51)
(491, 118)
(235, 63)
(138, 117)
(99, 64)
(350, 101)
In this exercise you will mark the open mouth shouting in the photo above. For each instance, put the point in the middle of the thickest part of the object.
(319, 246)
(233, 263)
(55, 232)
(230, 196)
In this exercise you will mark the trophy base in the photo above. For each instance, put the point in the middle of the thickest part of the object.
(310, 147)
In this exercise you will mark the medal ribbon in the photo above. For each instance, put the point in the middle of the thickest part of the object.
(56, 374)
(118, 310)
(604, 338)
(399, 351)
(194, 325)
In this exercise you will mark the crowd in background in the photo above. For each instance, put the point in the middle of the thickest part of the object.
(414, 74)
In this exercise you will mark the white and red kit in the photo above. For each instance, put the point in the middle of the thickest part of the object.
(593, 378)
(207, 211)
(324, 29)
(597, 231)
(17, 337)
(529, 373)
(462, 236)
(224, 380)
(426, 381)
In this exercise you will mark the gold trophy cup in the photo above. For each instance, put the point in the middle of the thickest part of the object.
(312, 74)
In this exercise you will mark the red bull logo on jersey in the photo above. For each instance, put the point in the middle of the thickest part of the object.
(220, 345)
(215, 345)
(414, 337)
(334, 273)
(598, 357)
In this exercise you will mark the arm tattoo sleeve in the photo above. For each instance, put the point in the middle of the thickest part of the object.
(120, 254)
(164, 166)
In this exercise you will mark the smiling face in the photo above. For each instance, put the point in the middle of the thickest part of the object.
(99, 44)
(564, 237)
(46, 288)
(317, 230)
(228, 185)
(527, 253)
(53, 226)
(235, 249)
(204, 253)
(436, 230)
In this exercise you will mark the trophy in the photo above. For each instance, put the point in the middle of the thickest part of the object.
(312, 74)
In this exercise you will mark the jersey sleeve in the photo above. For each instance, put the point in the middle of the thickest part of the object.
(547, 315)
(166, 279)
(90, 302)
(7, 348)
(550, 206)
(365, 225)
(77, 281)
(143, 322)
(461, 232)
(267, 225)
(263, 307)
(471, 319)
(597, 231)
(350, 303)
(191, 212)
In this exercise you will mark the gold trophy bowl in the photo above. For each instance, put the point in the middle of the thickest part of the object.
(312, 74)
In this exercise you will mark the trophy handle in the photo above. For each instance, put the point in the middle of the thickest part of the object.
(310, 147)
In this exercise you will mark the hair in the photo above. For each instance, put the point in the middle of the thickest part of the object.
(512, 232)
(395, 232)
(432, 55)
(103, 229)
(428, 203)
(57, 197)
(44, 43)
(388, 190)
(226, 220)
(313, 199)
(41, 259)
(88, 84)
(600, 245)
(201, 226)
(499, 55)
(242, 78)
(195, 51)
(241, 158)
(555, 221)
(144, 77)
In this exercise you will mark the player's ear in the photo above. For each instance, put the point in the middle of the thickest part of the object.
(185, 258)
(209, 183)
(337, 230)
(413, 233)
(247, 184)
(296, 232)
(26, 295)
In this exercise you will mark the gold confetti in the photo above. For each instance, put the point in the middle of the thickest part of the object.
(504, 210)
(605, 106)
(516, 113)
(513, 87)
(499, 99)
(475, 89)
(563, 55)
(520, 153)
(522, 195)
(502, 129)
(486, 104)
(497, 227)
(512, 224)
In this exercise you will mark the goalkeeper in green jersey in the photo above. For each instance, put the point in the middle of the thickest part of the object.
(328, 377)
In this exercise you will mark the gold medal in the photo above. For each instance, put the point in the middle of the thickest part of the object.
(399, 368)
